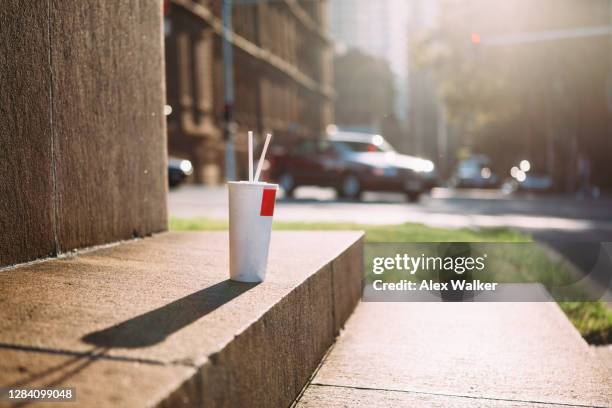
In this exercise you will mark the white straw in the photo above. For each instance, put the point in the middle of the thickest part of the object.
(263, 156)
(250, 156)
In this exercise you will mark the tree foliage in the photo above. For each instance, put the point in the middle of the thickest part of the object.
(364, 89)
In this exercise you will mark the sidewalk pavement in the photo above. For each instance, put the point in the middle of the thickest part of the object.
(459, 354)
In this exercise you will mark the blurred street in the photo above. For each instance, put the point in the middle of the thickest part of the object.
(546, 217)
(550, 219)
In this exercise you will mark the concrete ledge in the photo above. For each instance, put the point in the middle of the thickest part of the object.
(155, 322)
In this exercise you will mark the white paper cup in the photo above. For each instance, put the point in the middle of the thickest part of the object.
(251, 207)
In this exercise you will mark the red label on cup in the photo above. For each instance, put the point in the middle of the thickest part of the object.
(267, 202)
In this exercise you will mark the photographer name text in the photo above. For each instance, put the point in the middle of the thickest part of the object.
(430, 285)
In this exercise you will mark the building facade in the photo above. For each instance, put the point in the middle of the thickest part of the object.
(282, 69)
(377, 28)
(427, 124)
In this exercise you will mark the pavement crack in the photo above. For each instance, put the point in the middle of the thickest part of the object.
(441, 394)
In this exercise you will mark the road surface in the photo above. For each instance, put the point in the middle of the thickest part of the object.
(565, 218)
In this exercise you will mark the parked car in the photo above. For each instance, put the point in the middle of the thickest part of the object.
(178, 171)
(475, 172)
(351, 163)
(524, 178)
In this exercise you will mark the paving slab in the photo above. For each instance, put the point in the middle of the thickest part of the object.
(166, 302)
(525, 353)
(604, 354)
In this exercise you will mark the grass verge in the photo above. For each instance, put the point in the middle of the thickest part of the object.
(408, 232)
(592, 319)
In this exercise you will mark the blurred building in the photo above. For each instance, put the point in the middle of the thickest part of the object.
(377, 28)
(424, 106)
(282, 62)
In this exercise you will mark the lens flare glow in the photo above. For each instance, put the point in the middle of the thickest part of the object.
(427, 166)
(525, 165)
(186, 166)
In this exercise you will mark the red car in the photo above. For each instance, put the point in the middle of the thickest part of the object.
(351, 163)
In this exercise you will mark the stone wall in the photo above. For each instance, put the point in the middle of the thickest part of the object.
(82, 131)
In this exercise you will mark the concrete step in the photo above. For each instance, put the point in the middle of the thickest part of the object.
(459, 354)
(156, 322)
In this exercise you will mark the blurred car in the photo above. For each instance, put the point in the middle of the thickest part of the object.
(475, 172)
(352, 163)
(524, 178)
(536, 182)
(430, 178)
(178, 171)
